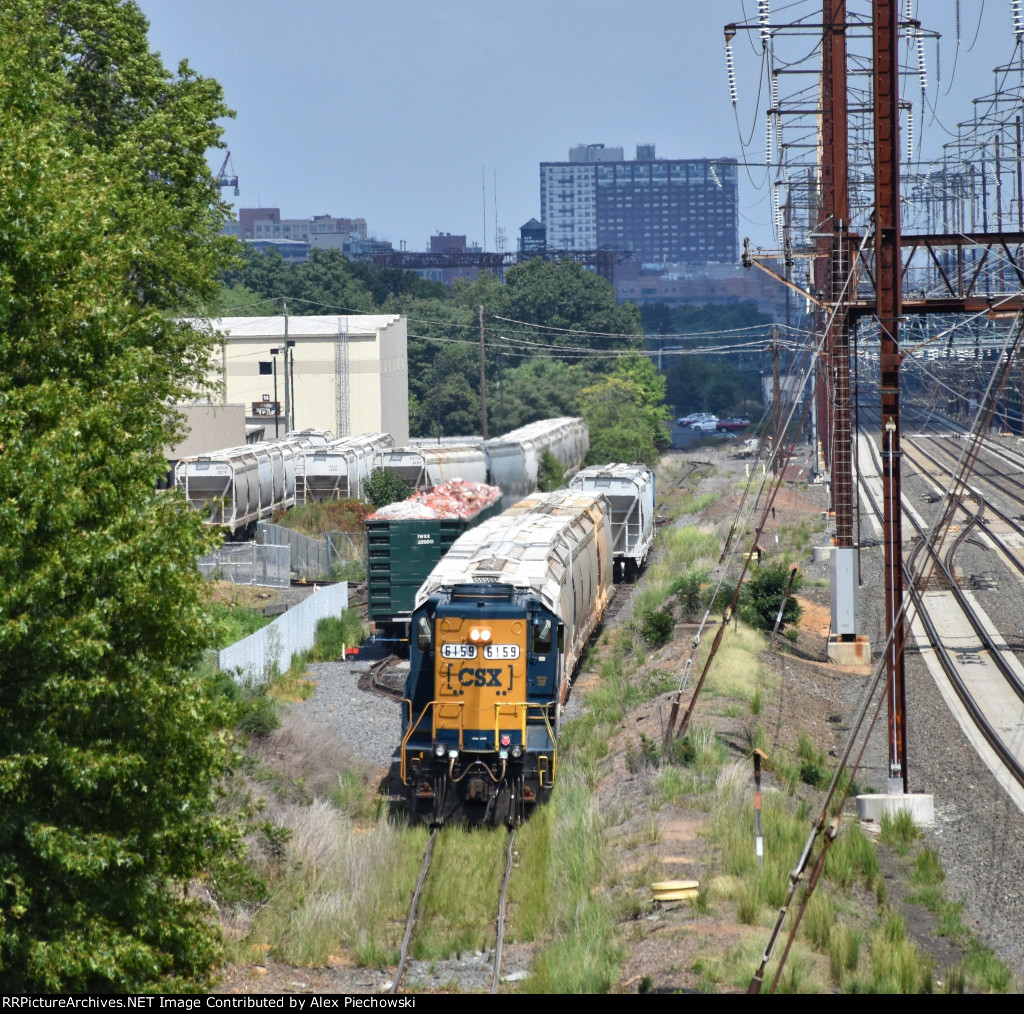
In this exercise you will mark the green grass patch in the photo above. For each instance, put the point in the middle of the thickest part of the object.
(233, 623)
(899, 831)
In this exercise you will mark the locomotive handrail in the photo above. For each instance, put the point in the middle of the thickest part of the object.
(538, 709)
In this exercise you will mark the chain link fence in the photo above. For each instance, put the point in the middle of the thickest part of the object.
(256, 658)
(337, 557)
(249, 563)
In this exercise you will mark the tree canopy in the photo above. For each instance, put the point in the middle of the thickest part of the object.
(626, 414)
(550, 329)
(110, 745)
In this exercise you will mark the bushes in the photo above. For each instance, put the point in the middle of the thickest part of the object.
(656, 627)
(384, 487)
(762, 596)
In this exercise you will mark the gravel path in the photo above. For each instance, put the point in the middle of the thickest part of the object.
(370, 724)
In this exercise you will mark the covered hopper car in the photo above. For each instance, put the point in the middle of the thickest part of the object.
(426, 465)
(513, 461)
(498, 629)
(339, 469)
(629, 490)
(238, 486)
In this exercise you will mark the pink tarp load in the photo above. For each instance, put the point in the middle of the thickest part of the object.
(457, 498)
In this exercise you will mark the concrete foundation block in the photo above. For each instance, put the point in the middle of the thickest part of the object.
(822, 554)
(920, 806)
(856, 652)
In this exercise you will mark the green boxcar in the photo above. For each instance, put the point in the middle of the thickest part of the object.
(400, 554)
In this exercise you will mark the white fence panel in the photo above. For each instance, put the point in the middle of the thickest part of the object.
(254, 658)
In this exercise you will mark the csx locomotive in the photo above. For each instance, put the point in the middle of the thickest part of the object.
(497, 631)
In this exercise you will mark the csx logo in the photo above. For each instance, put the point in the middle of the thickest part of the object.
(479, 677)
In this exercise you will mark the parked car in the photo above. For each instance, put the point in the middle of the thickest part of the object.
(706, 425)
(734, 423)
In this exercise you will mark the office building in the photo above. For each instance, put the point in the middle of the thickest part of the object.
(657, 211)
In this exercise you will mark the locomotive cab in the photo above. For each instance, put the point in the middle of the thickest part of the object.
(482, 704)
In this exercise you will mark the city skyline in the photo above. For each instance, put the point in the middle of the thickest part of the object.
(408, 114)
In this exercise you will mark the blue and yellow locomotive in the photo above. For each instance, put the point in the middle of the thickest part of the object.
(497, 631)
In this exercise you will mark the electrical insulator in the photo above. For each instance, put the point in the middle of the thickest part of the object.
(910, 133)
(1018, 18)
(768, 139)
(764, 16)
(921, 69)
(730, 70)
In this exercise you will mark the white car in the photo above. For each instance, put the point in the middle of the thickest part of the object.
(706, 424)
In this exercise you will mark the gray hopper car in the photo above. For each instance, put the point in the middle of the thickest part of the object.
(339, 470)
(629, 490)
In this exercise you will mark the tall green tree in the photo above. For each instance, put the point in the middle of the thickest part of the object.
(569, 307)
(626, 413)
(110, 746)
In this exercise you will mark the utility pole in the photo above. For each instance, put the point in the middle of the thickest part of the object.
(889, 307)
(287, 402)
(776, 402)
(483, 380)
(277, 414)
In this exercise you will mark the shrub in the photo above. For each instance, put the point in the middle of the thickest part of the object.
(762, 596)
(656, 627)
(687, 591)
(384, 487)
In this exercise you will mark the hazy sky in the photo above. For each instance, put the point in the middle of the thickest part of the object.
(402, 112)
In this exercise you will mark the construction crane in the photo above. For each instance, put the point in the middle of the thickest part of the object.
(223, 180)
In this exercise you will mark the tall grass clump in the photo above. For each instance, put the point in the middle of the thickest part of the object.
(899, 831)
(896, 964)
(332, 885)
(851, 858)
(580, 955)
(333, 633)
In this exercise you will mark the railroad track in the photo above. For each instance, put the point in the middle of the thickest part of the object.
(972, 665)
(410, 925)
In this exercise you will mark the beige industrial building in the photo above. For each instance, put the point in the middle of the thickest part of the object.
(346, 374)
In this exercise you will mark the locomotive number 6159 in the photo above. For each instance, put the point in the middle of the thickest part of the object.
(501, 651)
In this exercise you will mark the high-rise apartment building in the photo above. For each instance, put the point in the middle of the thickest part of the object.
(659, 211)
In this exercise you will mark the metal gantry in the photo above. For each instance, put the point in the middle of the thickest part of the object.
(868, 254)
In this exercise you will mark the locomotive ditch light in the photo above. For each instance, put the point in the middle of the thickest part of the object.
(439, 750)
(517, 751)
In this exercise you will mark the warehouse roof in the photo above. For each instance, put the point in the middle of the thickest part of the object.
(301, 327)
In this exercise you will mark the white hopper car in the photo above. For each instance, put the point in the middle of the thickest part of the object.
(514, 459)
(424, 466)
(339, 470)
(629, 490)
(238, 486)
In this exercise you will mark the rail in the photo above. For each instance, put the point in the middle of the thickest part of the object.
(511, 857)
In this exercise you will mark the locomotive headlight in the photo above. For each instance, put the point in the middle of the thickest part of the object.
(485, 635)
(477, 634)
(474, 635)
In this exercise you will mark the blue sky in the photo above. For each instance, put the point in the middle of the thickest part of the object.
(402, 112)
